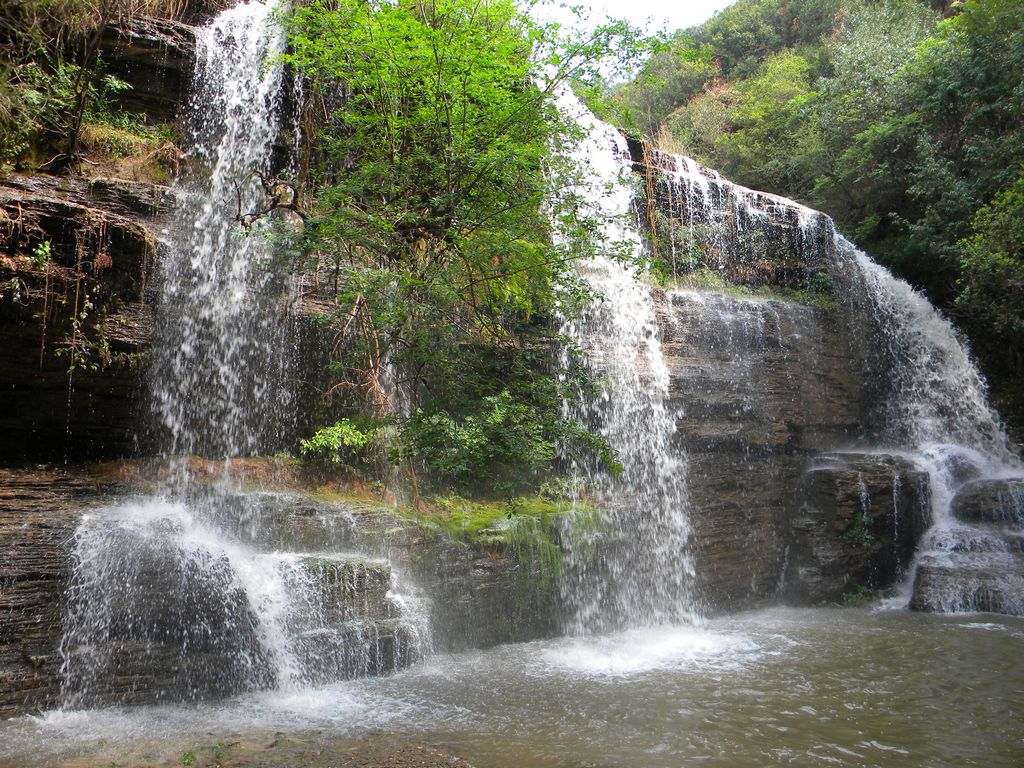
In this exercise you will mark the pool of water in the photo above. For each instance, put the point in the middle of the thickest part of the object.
(836, 687)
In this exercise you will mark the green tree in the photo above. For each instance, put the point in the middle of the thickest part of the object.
(992, 285)
(746, 33)
(867, 125)
(51, 77)
(431, 210)
(770, 137)
(968, 85)
(671, 77)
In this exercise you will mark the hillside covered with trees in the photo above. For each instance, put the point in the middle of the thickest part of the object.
(902, 119)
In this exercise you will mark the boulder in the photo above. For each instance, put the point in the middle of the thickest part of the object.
(965, 583)
(858, 525)
(990, 500)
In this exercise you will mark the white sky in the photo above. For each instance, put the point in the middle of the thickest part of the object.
(654, 15)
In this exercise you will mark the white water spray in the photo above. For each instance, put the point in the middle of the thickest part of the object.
(643, 571)
(931, 401)
(190, 595)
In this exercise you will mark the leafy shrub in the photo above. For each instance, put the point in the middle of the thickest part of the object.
(505, 439)
(502, 433)
(343, 443)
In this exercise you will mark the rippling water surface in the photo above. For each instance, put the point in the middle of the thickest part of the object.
(845, 687)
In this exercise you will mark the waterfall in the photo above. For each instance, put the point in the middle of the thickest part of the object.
(933, 395)
(203, 599)
(643, 572)
(221, 345)
(923, 398)
(936, 409)
(207, 589)
(929, 402)
(936, 395)
(203, 590)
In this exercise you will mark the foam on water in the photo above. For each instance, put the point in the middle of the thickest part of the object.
(640, 651)
(779, 686)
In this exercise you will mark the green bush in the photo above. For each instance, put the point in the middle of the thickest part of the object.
(503, 433)
(343, 443)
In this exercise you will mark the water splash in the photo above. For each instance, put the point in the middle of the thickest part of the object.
(712, 222)
(935, 394)
(162, 596)
(935, 407)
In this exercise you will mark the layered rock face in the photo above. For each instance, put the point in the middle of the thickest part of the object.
(163, 607)
(765, 380)
(765, 390)
(76, 268)
(155, 57)
(39, 511)
(315, 591)
(77, 257)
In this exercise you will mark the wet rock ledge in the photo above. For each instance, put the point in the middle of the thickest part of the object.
(350, 550)
(39, 510)
(983, 569)
(76, 260)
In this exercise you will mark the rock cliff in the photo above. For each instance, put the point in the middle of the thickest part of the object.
(766, 391)
(76, 256)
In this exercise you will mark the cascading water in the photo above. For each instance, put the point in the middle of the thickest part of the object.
(643, 571)
(188, 595)
(936, 395)
(191, 583)
(221, 348)
(931, 401)
(209, 597)
(936, 408)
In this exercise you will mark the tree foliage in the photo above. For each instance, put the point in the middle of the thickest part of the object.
(992, 278)
(431, 212)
